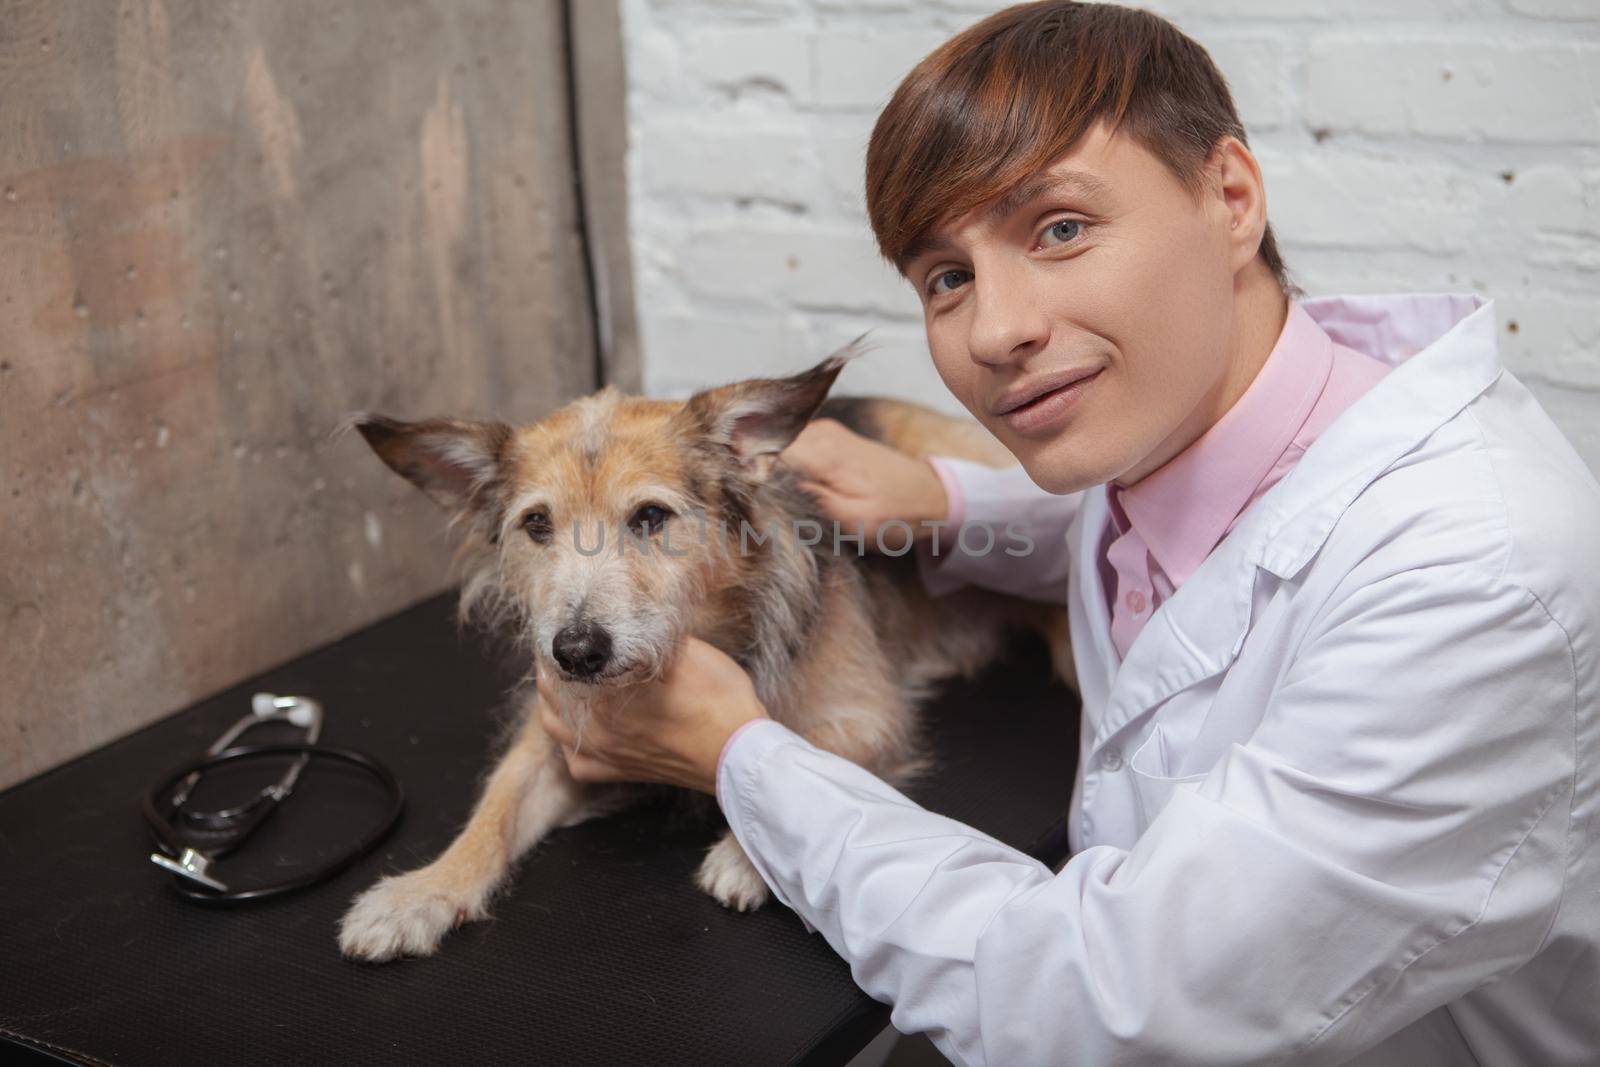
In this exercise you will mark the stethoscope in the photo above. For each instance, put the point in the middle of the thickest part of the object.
(191, 841)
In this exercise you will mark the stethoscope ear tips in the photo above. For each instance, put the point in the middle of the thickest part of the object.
(301, 711)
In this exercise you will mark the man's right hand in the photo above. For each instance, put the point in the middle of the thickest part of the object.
(863, 484)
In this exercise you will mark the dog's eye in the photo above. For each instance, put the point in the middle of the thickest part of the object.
(537, 523)
(648, 519)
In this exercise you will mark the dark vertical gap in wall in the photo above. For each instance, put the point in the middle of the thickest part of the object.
(597, 329)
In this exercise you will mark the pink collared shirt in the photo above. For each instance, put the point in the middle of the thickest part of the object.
(1165, 525)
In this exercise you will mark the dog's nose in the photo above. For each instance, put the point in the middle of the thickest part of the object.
(583, 649)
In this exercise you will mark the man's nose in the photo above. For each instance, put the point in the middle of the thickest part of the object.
(582, 649)
(1008, 321)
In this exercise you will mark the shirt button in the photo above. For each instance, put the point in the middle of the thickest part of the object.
(1111, 760)
(1135, 601)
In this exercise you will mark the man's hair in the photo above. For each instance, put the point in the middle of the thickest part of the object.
(1007, 97)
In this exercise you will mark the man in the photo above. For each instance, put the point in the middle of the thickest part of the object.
(1334, 582)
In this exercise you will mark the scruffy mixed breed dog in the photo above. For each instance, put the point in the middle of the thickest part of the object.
(841, 647)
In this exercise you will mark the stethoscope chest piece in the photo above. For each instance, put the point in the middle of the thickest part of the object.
(191, 865)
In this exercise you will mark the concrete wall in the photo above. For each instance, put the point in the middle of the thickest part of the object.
(1407, 145)
(223, 226)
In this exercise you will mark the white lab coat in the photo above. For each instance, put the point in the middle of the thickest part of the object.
(1340, 800)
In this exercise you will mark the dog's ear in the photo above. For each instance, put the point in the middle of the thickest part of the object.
(758, 418)
(456, 462)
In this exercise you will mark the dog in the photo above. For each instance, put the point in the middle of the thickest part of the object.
(841, 646)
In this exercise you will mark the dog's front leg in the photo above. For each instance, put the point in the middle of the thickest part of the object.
(529, 794)
(862, 735)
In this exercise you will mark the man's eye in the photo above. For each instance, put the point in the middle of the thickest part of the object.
(1064, 231)
(948, 281)
(537, 523)
(648, 519)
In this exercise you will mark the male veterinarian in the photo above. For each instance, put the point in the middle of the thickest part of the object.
(1334, 584)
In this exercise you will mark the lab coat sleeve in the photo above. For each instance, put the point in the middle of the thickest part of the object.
(1384, 844)
(1016, 534)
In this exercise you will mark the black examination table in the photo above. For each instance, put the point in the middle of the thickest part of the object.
(602, 952)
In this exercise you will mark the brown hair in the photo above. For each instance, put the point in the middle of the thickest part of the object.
(1008, 96)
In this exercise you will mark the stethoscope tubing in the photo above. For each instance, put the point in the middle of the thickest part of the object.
(162, 825)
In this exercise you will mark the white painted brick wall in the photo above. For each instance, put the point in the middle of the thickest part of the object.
(1407, 144)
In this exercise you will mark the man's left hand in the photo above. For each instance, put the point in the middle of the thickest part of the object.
(669, 731)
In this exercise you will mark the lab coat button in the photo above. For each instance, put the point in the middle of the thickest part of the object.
(1111, 760)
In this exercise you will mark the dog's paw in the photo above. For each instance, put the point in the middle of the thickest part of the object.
(404, 915)
(729, 876)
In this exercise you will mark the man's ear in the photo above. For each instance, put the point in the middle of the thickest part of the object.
(758, 418)
(1243, 198)
(456, 462)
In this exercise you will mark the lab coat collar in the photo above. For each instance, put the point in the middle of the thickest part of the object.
(1443, 351)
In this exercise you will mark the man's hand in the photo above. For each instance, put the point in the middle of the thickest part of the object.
(861, 483)
(669, 731)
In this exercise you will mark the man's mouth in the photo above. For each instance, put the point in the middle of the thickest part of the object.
(1038, 404)
(1032, 391)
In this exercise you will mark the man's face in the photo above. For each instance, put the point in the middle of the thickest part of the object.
(1104, 271)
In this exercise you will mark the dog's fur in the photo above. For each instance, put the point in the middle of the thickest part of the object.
(840, 648)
